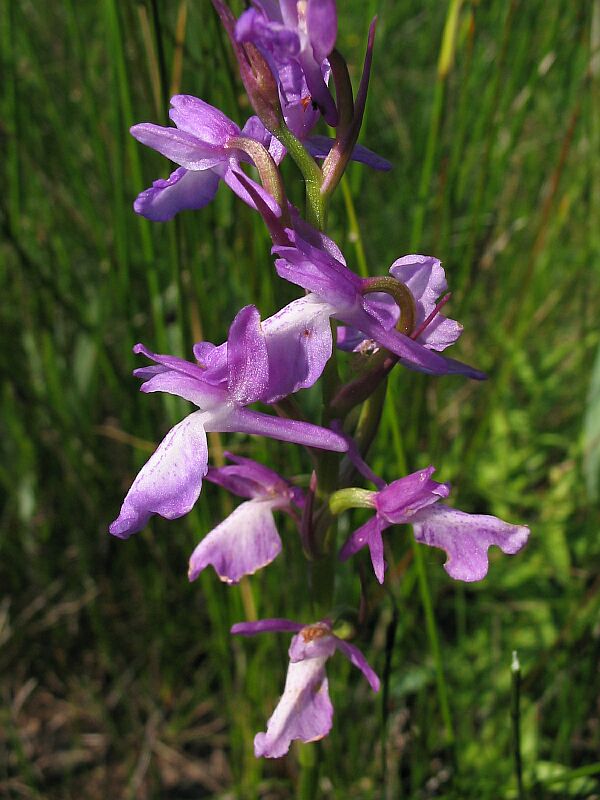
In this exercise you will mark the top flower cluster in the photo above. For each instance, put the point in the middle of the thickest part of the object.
(285, 50)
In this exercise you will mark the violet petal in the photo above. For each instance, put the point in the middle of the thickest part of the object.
(466, 538)
(178, 146)
(181, 191)
(243, 543)
(247, 361)
(304, 710)
(170, 482)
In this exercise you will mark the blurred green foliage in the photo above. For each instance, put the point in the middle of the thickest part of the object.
(118, 678)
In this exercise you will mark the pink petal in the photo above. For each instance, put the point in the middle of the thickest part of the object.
(242, 544)
(304, 710)
(466, 538)
(170, 482)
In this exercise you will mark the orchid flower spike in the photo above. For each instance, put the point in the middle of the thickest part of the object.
(304, 710)
(248, 539)
(248, 368)
(414, 500)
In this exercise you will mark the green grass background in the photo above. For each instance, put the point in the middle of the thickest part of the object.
(119, 679)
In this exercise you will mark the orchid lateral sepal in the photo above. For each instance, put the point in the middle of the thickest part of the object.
(344, 499)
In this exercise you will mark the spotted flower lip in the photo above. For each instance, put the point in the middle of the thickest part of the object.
(466, 538)
(245, 371)
(304, 710)
(247, 539)
(296, 37)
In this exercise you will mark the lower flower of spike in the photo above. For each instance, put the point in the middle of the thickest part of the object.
(304, 710)
(226, 379)
(414, 500)
(247, 539)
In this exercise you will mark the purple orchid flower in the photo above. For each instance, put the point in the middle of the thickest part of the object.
(248, 539)
(318, 270)
(414, 500)
(424, 276)
(201, 145)
(296, 37)
(244, 370)
(304, 710)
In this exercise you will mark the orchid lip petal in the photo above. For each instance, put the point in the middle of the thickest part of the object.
(466, 538)
(170, 482)
(246, 541)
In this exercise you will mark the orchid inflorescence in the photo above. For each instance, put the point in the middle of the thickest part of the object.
(287, 59)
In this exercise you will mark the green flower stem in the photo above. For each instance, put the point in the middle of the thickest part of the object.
(308, 758)
(344, 499)
(268, 170)
(316, 205)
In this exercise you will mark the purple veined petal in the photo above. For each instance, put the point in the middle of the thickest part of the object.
(466, 538)
(299, 344)
(181, 191)
(403, 498)
(321, 27)
(246, 541)
(319, 146)
(354, 655)
(247, 361)
(273, 625)
(178, 146)
(170, 362)
(369, 535)
(304, 710)
(244, 420)
(170, 482)
(204, 395)
(202, 120)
